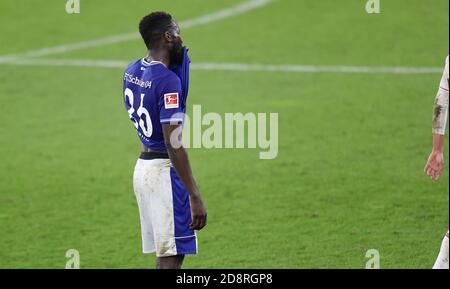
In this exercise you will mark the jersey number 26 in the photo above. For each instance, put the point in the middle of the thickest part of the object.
(141, 114)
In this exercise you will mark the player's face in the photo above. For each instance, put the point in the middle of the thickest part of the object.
(176, 49)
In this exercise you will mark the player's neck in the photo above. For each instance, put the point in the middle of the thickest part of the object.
(159, 56)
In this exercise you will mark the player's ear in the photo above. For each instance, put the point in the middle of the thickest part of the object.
(168, 36)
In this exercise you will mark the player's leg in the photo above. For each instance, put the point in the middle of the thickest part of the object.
(172, 262)
(442, 259)
(154, 197)
(165, 213)
(171, 216)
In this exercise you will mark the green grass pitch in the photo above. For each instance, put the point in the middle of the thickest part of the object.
(348, 176)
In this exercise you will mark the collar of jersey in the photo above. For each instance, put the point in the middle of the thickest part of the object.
(146, 63)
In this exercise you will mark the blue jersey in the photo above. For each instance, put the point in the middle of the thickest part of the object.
(153, 96)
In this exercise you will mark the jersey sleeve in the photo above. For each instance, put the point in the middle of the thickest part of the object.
(440, 114)
(170, 108)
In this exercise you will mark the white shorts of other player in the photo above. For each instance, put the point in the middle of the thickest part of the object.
(442, 260)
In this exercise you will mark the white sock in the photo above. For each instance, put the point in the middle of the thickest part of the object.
(442, 259)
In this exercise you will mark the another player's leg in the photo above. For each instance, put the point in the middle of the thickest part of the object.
(172, 262)
(442, 259)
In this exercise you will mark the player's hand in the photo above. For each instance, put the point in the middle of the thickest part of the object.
(198, 212)
(434, 165)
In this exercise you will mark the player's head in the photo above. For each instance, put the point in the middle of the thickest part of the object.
(160, 31)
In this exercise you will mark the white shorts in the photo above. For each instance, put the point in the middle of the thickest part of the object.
(164, 209)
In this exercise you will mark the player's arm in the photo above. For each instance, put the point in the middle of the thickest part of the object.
(180, 161)
(435, 162)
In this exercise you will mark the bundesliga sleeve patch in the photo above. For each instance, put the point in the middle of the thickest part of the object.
(171, 100)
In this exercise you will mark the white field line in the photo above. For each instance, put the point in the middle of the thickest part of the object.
(208, 18)
(316, 68)
(292, 68)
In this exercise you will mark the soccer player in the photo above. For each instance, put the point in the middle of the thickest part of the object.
(435, 162)
(155, 92)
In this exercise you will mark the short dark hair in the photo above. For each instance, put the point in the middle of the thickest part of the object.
(153, 26)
